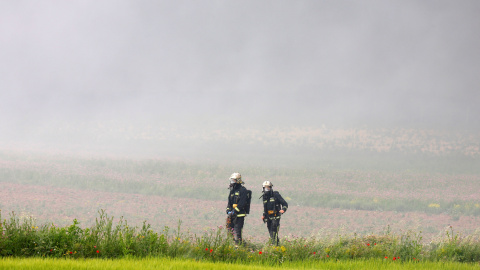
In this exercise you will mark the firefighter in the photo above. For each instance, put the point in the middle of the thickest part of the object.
(236, 207)
(273, 208)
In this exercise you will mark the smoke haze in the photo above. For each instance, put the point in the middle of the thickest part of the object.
(363, 113)
(215, 64)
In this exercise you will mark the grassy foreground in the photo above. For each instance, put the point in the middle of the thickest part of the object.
(169, 263)
(105, 241)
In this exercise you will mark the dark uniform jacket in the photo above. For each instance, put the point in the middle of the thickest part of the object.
(272, 204)
(237, 200)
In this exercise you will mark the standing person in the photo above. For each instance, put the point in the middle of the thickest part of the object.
(237, 207)
(273, 208)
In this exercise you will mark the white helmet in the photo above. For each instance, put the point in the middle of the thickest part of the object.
(267, 183)
(236, 178)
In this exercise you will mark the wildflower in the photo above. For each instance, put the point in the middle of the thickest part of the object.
(314, 253)
(71, 253)
(328, 256)
(386, 257)
(206, 249)
(375, 244)
(260, 252)
(98, 251)
(51, 250)
(394, 258)
(94, 246)
(211, 250)
(368, 244)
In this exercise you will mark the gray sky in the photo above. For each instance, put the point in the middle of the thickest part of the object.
(284, 62)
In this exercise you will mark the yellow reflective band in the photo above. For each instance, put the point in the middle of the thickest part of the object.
(236, 208)
(265, 201)
(237, 193)
(272, 199)
(241, 215)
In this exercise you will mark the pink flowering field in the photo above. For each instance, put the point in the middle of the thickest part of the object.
(434, 186)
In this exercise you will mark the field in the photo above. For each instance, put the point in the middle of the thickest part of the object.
(60, 188)
(337, 182)
(165, 263)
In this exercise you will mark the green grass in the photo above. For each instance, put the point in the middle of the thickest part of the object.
(105, 240)
(168, 263)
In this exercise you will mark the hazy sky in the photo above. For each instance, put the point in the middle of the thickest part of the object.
(291, 62)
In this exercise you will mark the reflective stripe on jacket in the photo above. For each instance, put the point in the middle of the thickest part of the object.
(237, 200)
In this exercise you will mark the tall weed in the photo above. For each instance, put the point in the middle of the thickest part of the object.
(21, 237)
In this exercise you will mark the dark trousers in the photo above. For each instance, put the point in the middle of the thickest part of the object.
(236, 226)
(273, 226)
